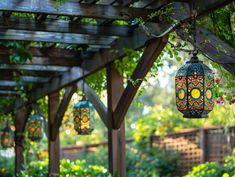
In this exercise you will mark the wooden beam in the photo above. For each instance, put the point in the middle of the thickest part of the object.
(7, 92)
(49, 52)
(63, 26)
(31, 79)
(46, 61)
(41, 36)
(95, 100)
(151, 52)
(216, 49)
(75, 9)
(34, 68)
(11, 73)
(53, 145)
(4, 83)
(98, 61)
(116, 138)
(69, 91)
(7, 88)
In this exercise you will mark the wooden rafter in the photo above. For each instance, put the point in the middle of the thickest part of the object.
(217, 50)
(67, 38)
(34, 68)
(98, 61)
(63, 26)
(31, 79)
(75, 9)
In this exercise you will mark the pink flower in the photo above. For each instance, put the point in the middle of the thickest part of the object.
(219, 102)
(232, 101)
(218, 81)
(221, 98)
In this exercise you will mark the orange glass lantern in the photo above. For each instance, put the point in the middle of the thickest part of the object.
(84, 117)
(7, 137)
(35, 127)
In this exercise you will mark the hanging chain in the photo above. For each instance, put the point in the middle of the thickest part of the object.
(194, 31)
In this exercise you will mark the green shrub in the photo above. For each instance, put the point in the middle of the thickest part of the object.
(67, 168)
(213, 169)
(151, 163)
(6, 163)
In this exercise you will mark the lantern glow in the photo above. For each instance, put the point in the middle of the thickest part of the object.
(35, 127)
(83, 117)
(194, 84)
(7, 137)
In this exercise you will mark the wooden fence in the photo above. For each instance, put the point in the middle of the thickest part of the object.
(195, 146)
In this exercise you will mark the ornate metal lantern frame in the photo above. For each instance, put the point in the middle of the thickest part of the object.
(7, 137)
(194, 83)
(84, 117)
(35, 126)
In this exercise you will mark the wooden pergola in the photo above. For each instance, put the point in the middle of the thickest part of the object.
(53, 68)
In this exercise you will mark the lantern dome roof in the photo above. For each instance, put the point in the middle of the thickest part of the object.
(193, 66)
(83, 104)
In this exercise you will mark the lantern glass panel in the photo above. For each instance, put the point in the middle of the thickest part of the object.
(83, 117)
(35, 127)
(7, 138)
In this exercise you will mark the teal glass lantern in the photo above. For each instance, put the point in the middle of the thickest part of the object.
(7, 137)
(35, 127)
(194, 83)
(83, 117)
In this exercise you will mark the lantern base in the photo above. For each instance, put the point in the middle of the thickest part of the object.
(195, 116)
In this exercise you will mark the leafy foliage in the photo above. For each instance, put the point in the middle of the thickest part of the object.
(6, 162)
(67, 168)
(144, 162)
(213, 169)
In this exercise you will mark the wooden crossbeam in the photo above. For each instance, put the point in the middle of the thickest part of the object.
(4, 83)
(63, 26)
(46, 61)
(41, 36)
(48, 56)
(7, 92)
(34, 68)
(69, 91)
(23, 78)
(75, 9)
(12, 73)
(151, 52)
(7, 87)
(217, 50)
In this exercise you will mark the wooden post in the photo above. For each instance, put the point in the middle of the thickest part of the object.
(116, 138)
(53, 145)
(20, 122)
(203, 145)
